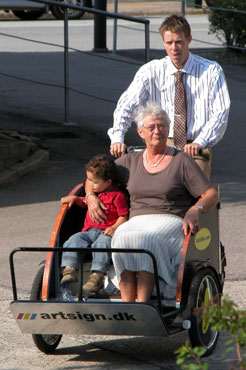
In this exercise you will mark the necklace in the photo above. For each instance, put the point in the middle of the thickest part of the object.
(158, 162)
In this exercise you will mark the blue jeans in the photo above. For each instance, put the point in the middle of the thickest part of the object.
(94, 238)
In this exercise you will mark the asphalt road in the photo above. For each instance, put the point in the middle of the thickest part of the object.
(30, 205)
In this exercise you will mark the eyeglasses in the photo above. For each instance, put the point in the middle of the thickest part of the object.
(160, 127)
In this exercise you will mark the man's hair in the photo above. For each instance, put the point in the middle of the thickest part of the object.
(175, 24)
(103, 166)
(151, 109)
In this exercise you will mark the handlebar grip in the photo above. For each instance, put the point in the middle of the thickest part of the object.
(204, 153)
(135, 148)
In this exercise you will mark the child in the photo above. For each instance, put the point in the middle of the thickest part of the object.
(101, 173)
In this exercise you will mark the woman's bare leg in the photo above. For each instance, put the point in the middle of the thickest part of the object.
(145, 286)
(128, 286)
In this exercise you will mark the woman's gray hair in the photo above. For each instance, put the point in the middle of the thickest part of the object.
(151, 109)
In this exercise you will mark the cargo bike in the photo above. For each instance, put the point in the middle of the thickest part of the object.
(47, 316)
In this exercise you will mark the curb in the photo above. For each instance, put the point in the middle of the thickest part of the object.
(155, 8)
(37, 159)
(136, 8)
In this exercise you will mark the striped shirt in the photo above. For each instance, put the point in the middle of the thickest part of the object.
(207, 97)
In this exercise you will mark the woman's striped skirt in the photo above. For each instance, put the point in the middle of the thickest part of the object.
(161, 234)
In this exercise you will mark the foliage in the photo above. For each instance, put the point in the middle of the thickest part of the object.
(186, 352)
(224, 318)
(228, 318)
(229, 26)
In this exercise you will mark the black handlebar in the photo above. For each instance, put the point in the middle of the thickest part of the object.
(202, 152)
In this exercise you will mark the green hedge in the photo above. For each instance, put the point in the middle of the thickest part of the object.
(230, 27)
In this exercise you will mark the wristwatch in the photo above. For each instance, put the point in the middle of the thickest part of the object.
(87, 195)
(200, 207)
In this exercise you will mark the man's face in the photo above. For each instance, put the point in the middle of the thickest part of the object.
(177, 47)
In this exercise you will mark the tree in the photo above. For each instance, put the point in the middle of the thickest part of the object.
(229, 26)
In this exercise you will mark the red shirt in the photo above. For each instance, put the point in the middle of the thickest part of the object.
(117, 205)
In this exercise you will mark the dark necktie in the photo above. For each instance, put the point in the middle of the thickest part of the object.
(179, 134)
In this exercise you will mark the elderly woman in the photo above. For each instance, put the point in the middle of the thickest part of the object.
(168, 192)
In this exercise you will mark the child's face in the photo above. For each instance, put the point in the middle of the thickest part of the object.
(98, 184)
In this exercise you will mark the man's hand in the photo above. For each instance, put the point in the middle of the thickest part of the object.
(118, 149)
(96, 209)
(192, 149)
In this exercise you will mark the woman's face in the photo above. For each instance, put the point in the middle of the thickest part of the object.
(154, 131)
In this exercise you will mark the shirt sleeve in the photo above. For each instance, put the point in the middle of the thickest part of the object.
(121, 203)
(218, 110)
(136, 94)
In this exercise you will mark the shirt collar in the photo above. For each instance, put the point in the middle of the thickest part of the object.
(187, 68)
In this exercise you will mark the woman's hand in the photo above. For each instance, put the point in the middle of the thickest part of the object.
(191, 221)
(96, 209)
(208, 201)
(69, 199)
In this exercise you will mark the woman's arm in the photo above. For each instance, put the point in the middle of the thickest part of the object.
(207, 201)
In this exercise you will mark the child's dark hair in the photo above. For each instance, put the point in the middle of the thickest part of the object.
(103, 166)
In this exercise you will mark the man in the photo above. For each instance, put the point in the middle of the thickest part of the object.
(206, 95)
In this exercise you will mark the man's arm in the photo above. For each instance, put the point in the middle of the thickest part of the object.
(135, 95)
(217, 110)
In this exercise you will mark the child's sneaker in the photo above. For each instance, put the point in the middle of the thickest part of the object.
(69, 275)
(94, 284)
